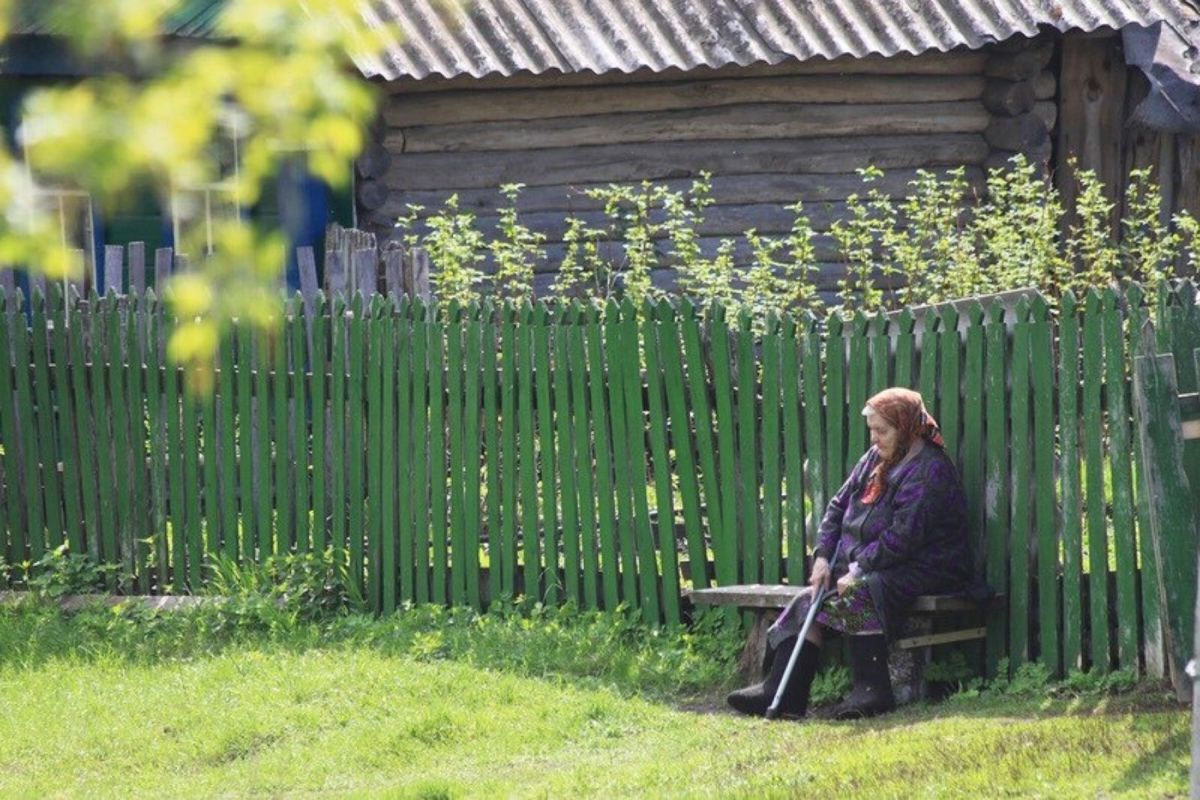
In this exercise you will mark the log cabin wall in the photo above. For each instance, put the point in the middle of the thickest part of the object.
(768, 134)
(1099, 93)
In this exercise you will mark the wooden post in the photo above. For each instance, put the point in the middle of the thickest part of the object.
(163, 257)
(114, 266)
(363, 272)
(336, 278)
(137, 267)
(393, 269)
(417, 274)
(306, 261)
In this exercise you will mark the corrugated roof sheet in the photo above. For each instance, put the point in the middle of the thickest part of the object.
(189, 18)
(503, 37)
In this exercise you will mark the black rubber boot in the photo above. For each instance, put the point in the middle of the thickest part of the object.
(872, 692)
(757, 698)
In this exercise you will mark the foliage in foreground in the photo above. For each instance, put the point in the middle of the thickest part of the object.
(963, 240)
(459, 706)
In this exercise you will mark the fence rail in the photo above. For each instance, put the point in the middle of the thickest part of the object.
(592, 455)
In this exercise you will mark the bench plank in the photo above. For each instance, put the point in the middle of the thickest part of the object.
(964, 635)
(758, 595)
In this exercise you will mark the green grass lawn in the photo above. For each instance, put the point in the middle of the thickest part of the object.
(437, 706)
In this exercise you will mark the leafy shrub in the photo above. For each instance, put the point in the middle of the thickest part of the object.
(304, 586)
(59, 573)
(1013, 233)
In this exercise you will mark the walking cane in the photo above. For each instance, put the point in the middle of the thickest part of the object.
(818, 597)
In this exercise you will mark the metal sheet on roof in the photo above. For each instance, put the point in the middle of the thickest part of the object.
(503, 37)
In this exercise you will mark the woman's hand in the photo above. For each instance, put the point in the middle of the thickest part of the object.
(819, 579)
(847, 581)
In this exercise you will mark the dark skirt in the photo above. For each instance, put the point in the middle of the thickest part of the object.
(853, 612)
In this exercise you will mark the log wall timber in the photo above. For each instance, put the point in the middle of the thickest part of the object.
(1091, 116)
(1098, 98)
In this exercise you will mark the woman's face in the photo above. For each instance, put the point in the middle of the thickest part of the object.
(884, 437)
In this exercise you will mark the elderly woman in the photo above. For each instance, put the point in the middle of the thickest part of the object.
(894, 531)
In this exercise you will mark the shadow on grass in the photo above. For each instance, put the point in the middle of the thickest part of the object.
(1158, 763)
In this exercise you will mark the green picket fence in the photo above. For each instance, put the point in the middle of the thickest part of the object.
(598, 456)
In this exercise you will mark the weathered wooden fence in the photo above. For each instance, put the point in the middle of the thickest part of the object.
(599, 456)
(354, 263)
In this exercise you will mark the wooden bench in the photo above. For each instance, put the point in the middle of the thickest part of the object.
(908, 657)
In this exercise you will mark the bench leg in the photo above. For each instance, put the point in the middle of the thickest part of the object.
(754, 654)
(906, 667)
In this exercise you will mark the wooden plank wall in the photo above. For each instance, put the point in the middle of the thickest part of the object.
(1098, 97)
(770, 136)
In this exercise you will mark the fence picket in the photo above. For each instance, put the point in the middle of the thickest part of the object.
(437, 463)
(725, 547)
(356, 418)
(949, 383)
(338, 412)
(971, 460)
(454, 418)
(376, 444)
(793, 450)
(1072, 529)
(816, 479)
(192, 486)
(11, 360)
(491, 442)
(414, 541)
(622, 467)
(260, 430)
(392, 379)
(210, 466)
(606, 513)
(565, 463)
(1022, 462)
(298, 330)
(505, 556)
(772, 479)
(835, 405)
(1093, 429)
(996, 508)
(157, 412)
(527, 454)
(281, 420)
(1152, 630)
(138, 427)
(750, 531)
(906, 339)
(246, 450)
(34, 535)
(652, 318)
(550, 537)
(1045, 514)
(856, 387)
(68, 443)
(635, 428)
(47, 452)
(319, 356)
(1117, 382)
(472, 441)
(102, 420)
(584, 465)
(702, 419)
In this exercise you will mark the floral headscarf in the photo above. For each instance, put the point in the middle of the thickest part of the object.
(904, 410)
